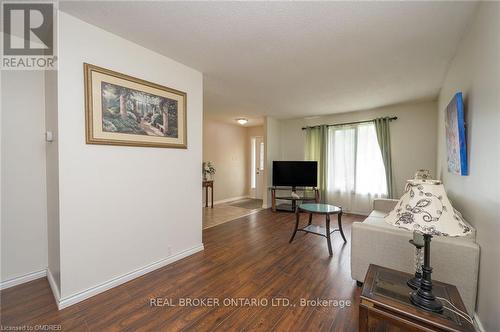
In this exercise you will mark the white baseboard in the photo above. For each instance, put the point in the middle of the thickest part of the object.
(22, 279)
(78, 297)
(478, 323)
(53, 286)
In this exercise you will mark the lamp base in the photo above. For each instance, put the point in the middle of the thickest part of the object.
(423, 297)
(414, 283)
(426, 301)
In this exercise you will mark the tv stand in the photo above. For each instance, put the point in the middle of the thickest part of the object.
(285, 194)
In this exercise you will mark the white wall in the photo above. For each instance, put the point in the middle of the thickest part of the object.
(52, 180)
(24, 230)
(122, 208)
(476, 72)
(227, 146)
(413, 136)
(255, 131)
(273, 145)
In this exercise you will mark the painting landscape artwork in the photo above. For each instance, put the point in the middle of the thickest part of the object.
(135, 112)
(455, 136)
(122, 110)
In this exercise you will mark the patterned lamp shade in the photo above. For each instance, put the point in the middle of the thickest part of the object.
(425, 208)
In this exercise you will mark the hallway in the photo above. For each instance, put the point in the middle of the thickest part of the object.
(222, 213)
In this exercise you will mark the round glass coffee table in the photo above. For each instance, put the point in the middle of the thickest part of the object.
(324, 209)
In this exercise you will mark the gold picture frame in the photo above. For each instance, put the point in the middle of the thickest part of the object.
(124, 110)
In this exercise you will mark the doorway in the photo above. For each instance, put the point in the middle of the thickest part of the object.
(257, 167)
(228, 147)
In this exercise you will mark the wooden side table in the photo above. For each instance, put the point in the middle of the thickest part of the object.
(209, 184)
(385, 305)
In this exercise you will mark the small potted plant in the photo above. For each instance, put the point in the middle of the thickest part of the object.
(208, 170)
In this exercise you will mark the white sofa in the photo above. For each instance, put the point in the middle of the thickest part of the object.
(454, 260)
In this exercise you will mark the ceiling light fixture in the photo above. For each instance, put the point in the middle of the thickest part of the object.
(242, 121)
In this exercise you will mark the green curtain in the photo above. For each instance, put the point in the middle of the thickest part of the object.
(316, 150)
(384, 141)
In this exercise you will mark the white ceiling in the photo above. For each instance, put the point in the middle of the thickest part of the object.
(290, 59)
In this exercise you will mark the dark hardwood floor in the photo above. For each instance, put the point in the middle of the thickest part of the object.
(246, 258)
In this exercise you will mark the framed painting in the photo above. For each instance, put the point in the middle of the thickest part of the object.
(456, 147)
(124, 110)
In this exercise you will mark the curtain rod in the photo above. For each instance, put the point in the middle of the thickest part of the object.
(348, 123)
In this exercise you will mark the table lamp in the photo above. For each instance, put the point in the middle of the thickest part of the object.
(425, 208)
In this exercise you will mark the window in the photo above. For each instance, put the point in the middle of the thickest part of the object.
(370, 170)
(355, 163)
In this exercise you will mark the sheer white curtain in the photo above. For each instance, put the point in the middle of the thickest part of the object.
(356, 173)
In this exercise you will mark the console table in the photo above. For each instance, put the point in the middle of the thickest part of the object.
(385, 305)
(209, 184)
(285, 193)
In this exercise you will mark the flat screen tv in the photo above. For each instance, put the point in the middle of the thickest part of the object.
(456, 144)
(295, 173)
